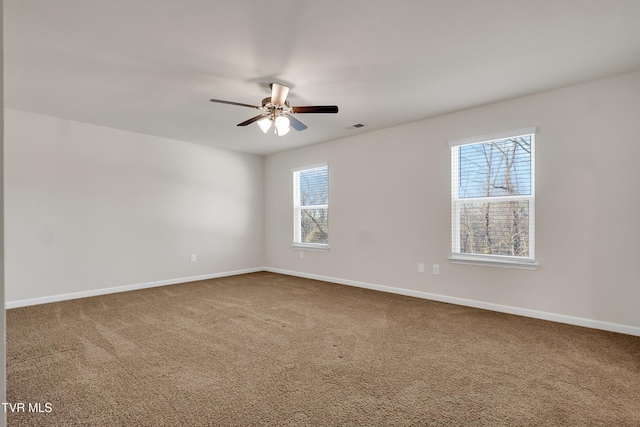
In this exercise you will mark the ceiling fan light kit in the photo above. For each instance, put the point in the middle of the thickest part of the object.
(278, 112)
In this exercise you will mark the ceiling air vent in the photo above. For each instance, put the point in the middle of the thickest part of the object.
(357, 126)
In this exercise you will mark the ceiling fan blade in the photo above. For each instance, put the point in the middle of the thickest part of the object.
(219, 101)
(253, 119)
(296, 124)
(278, 94)
(316, 109)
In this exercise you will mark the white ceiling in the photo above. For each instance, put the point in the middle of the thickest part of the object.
(151, 66)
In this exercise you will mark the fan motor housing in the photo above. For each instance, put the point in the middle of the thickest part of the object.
(268, 101)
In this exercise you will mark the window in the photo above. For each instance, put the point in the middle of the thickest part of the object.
(493, 199)
(311, 207)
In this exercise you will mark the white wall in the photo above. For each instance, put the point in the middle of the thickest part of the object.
(390, 205)
(89, 207)
(3, 352)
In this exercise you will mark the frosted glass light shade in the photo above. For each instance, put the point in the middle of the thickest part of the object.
(264, 124)
(282, 125)
(278, 94)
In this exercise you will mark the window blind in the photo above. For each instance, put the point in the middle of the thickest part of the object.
(493, 200)
(311, 205)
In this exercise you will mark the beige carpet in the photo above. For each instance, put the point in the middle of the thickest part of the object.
(268, 349)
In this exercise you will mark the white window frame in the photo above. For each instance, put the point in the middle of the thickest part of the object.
(297, 210)
(527, 263)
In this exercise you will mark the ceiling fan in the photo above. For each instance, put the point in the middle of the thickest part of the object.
(278, 112)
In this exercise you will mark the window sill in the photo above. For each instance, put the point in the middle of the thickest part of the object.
(498, 261)
(310, 246)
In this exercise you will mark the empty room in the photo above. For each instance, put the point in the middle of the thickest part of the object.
(297, 213)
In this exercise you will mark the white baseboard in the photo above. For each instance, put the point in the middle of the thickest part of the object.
(560, 318)
(105, 291)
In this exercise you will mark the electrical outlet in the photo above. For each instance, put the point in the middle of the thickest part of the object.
(436, 269)
(301, 255)
(194, 258)
(420, 267)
